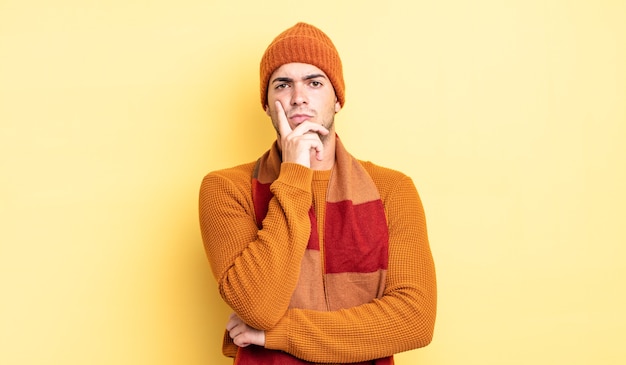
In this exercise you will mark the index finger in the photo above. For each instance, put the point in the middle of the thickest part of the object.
(283, 124)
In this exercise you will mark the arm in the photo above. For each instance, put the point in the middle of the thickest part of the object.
(402, 319)
(256, 270)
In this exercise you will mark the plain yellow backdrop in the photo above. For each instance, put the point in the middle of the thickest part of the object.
(510, 116)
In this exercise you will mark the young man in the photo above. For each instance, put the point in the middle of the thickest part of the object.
(322, 257)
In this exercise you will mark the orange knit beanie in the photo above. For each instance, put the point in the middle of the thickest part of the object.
(303, 43)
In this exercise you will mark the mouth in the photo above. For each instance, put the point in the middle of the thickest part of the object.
(299, 118)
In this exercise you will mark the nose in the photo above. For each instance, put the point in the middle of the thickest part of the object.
(298, 95)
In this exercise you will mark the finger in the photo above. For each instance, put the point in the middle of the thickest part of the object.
(244, 337)
(237, 330)
(312, 133)
(233, 321)
(310, 128)
(241, 341)
(319, 151)
(283, 124)
(230, 325)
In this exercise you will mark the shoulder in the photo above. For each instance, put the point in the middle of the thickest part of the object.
(235, 173)
(387, 180)
(238, 177)
(398, 193)
(383, 175)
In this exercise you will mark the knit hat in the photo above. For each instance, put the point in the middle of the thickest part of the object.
(303, 43)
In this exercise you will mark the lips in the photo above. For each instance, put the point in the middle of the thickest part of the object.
(299, 118)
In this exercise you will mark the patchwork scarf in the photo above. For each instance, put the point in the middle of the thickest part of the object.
(355, 248)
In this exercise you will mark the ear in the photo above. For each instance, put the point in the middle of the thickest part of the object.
(267, 111)
(337, 106)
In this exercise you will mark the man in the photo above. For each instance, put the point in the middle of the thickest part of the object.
(322, 257)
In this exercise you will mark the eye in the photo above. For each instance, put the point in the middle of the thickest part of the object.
(316, 83)
(281, 86)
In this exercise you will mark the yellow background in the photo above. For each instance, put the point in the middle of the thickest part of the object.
(509, 115)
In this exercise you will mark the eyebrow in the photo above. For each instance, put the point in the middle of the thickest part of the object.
(307, 77)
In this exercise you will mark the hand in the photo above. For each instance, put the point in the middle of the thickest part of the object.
(242, 334)
(298, 145)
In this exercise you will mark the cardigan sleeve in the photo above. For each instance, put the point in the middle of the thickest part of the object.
(402, 319)
(256, 269)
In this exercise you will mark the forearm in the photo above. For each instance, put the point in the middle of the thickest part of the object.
(402, 319)
(256, 269)
(375, 330)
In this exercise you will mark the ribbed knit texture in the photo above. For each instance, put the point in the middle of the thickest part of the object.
(257, 270)
(303, 43)
(349, 268)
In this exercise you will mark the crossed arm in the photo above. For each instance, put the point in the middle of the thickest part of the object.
(257, 271)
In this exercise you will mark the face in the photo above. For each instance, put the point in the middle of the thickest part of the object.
(305, 92)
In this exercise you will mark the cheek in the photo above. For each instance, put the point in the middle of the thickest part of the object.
(272, 96)
(270, 112)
